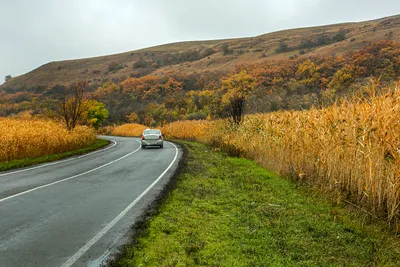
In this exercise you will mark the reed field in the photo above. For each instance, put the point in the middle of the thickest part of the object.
(129, 129)
(188, 130)
(351, 148)
(20, 139)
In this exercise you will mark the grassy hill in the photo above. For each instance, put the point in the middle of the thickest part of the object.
(220, 55)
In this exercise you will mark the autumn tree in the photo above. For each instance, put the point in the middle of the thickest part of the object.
(94, 113)
(342, 78)
(132, 117)
(173, 87)
(110, 94)
(237, 87)
(71, 104)
(307, 77)
(155, 114)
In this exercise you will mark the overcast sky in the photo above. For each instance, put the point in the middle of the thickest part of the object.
(34, 32)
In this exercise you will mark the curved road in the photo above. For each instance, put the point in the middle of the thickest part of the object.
(77, 211)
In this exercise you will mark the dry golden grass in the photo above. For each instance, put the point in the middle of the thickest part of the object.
(129, 129)
(188, 130)
(21, 139)
(352, 148)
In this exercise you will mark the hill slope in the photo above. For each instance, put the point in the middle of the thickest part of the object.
(220, 55)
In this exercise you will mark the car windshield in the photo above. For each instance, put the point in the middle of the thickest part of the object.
(151, 132)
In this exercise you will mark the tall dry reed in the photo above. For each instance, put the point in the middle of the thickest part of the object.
(188, 130)
(130, 129)
(352, 148)
(21, 139)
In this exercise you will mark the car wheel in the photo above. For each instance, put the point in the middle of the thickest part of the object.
(161, 146)
(143, 147)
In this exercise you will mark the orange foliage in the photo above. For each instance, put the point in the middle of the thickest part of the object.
(278, 85)
(141, 85)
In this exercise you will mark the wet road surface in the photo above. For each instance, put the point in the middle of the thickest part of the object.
(77, 211)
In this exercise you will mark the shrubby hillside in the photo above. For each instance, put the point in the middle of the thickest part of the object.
(293, 69)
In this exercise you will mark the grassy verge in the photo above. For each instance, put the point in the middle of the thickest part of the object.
(230, 212)
(4, 166)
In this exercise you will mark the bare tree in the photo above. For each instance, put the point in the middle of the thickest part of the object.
(71, 104)
(237, 109)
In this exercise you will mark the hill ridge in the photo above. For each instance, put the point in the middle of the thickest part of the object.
(199, 56)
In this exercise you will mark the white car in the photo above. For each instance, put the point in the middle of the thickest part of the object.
(152, 138)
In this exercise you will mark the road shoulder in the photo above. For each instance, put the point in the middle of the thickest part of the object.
(229, 211)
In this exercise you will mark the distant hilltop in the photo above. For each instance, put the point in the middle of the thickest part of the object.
(214, 55)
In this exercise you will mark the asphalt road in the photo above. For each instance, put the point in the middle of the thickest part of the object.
(77, 211)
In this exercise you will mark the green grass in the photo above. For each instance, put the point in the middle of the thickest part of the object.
(4, 166)
(229, 211)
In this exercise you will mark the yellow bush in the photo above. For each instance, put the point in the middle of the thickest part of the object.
(34, 138)
(129, 129)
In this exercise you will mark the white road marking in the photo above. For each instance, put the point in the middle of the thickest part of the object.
(60, 161)
(69, 178)
(100, 234)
